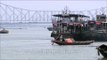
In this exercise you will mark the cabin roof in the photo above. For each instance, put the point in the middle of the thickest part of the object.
(69, 15)
(104, 22)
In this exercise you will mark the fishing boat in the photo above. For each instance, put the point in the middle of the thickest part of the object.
(102, 49)
(75, 43)
(67, 29)
(68, 39)
(3, 30)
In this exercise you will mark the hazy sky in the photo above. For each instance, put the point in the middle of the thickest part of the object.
(57, 5)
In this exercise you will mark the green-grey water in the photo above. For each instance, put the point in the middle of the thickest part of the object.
(34, 43)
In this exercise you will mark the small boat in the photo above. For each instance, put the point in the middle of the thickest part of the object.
(50, 28)
(74, 43)
(3, 31)
(102, 49)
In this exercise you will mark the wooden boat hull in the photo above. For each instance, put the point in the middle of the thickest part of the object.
(75, 43)
(103, 50)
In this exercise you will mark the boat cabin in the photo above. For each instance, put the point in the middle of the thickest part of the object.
(68, 23)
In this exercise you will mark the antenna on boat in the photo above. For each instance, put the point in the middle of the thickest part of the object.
(66, 10)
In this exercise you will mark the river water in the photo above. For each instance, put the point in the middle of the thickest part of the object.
(30, 42)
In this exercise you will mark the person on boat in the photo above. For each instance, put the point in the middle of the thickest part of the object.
(59, 38)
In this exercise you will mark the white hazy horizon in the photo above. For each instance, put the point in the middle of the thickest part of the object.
(57, 5)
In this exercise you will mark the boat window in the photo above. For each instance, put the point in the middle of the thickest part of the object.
(65, 20)
(73, 19)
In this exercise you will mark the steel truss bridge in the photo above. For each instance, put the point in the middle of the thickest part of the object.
(11, 14)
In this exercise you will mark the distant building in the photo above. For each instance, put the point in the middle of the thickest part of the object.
(101, 18)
